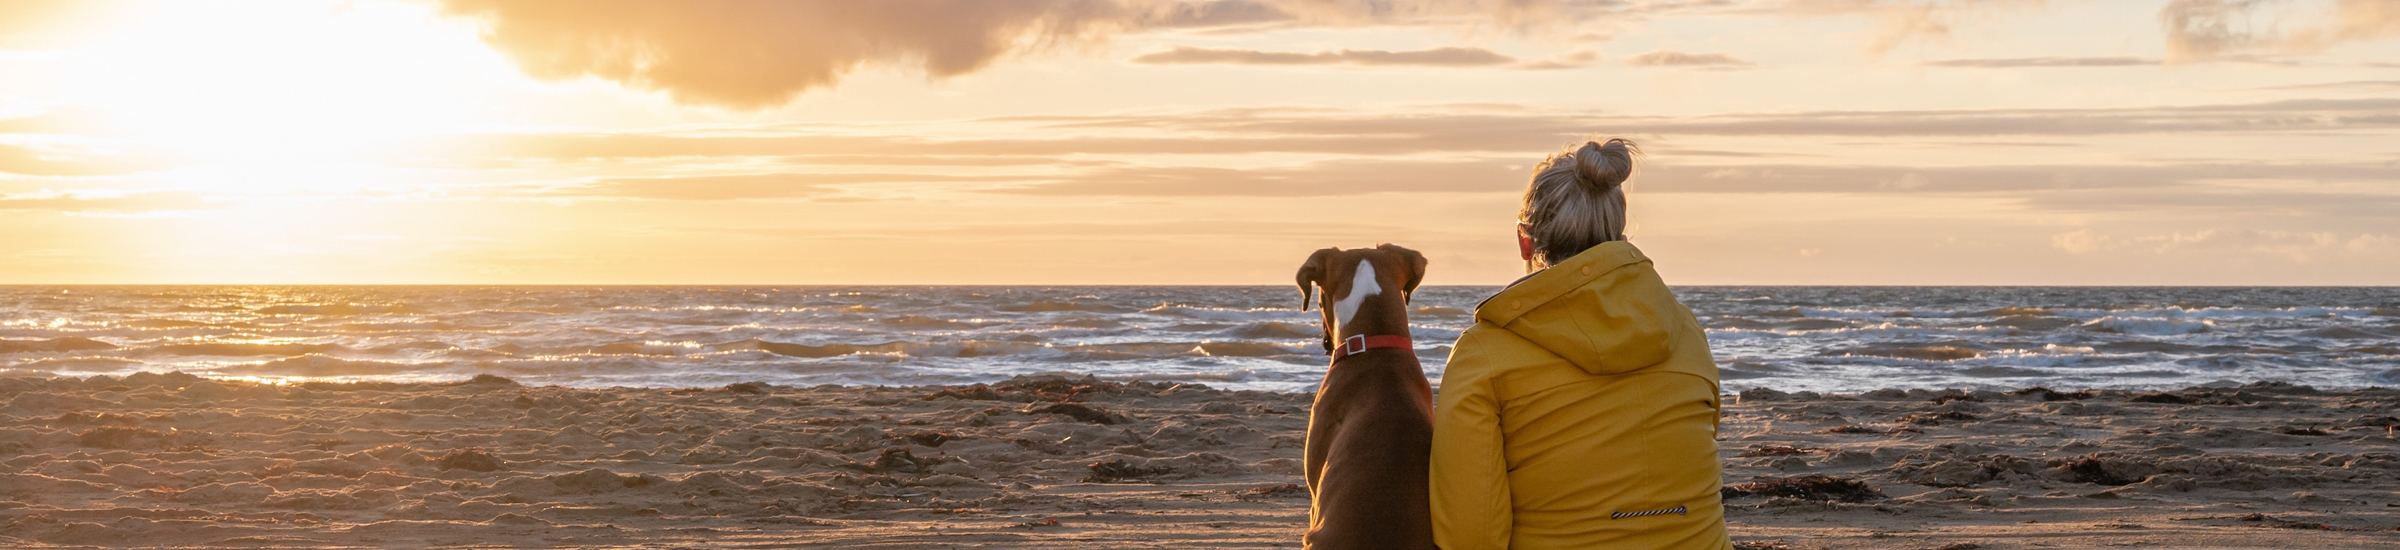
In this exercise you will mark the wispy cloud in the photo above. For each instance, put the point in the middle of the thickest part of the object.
(2210, 30)
(146, 201)
(2043, 62)
(2299, 246)
(1905, 21)
(745, 186)
(61, 161)
(1340, 177)
(1437, 57)
(1793, 178)
(1330, 131)
(2350, 86)
(1664, 58)
(21, 20)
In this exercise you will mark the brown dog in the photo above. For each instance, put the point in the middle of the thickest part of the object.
(1370, 432)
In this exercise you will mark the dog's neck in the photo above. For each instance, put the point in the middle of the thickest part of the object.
(1367, 308)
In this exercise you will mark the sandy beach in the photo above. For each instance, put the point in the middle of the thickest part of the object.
(1063, 461)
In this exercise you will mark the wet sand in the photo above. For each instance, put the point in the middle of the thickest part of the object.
(1062, 461)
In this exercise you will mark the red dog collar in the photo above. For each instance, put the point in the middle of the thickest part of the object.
(1361, 342)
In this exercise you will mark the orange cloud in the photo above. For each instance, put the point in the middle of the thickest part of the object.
(133, 202)
(1663, 58)
(1437, 57)
(43, 161)
(750, 54)
(1908, 20)
(744, 186)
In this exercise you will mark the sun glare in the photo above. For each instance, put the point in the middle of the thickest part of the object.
(278, 95)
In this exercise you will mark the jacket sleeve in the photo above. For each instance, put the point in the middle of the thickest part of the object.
(1469, 485)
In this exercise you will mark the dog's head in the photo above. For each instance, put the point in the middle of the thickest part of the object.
(1351, 278)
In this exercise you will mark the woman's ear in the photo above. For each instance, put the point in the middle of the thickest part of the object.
(1525, 242)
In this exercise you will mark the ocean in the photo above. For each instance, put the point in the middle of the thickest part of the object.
(1825, 339)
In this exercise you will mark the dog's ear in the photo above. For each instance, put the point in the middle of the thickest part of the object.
(1312, 272)
(1416, 266)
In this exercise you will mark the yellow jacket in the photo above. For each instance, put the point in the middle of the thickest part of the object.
(1584, 390)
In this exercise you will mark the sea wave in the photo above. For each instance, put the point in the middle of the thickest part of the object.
(1790, 338)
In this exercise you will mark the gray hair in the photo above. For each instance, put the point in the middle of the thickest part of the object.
(1577, 199)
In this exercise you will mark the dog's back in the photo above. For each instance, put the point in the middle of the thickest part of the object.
(1370, 431)
(1370, 435)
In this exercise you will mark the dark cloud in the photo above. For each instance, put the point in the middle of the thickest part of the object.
(760, 53)
(2043, 62)
(1437, 57)
(1664, 58)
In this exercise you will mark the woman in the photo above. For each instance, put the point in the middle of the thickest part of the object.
(1581, 409)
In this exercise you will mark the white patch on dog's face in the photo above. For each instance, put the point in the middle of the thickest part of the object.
(1362, 285)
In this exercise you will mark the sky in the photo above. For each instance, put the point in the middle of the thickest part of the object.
(1851, 142)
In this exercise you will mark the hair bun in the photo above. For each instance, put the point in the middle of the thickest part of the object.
(1603, 167)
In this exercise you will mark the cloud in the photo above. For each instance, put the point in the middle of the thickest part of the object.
(1385, 133)
(744, 186)
(1664, 58)
(2043, 62)
(1437, 57)
(46, 160)
(2299, 246)
(2213, 30)
(2027, 180)
(1325, 178)
(2370, 243)
(752, 54)
(59, 120)
(2354, 85)
(944, 230)
(24, 22)
(1570, 60)
(1904, 21)
(107, 203)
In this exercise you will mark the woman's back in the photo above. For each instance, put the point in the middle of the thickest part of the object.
(1580, 412)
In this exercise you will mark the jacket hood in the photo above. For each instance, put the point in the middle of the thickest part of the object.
(1605, 310)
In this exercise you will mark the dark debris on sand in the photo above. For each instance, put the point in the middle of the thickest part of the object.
(1120, 471)
(2272, 522)
(1052, 388)
(1780, 450)
(1813, 487)
(1294, 490)
(1081, 412)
